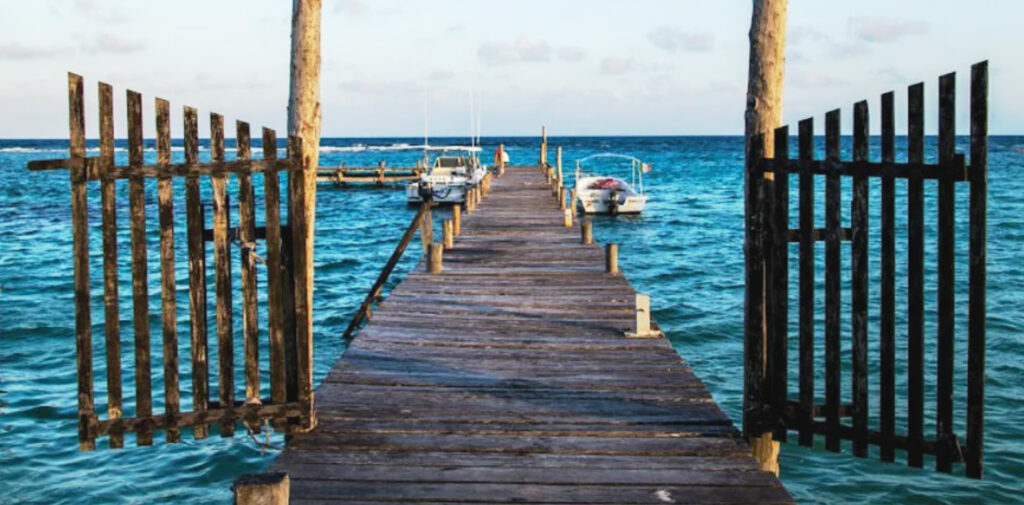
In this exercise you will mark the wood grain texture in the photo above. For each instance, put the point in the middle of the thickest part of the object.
(111, 297)
(140, 270)
(887, 304)
(806, 287)
(222, 275)
(915, 280)
(506, 378)
(978, 268)
(859, 282)
(195, 222)
(168, 283)
(833, 275)
(247, 235)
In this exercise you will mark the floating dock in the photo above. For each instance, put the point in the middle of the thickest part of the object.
(507, 378)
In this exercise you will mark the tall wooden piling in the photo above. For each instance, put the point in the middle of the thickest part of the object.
(763, 115)
(436, 258)
(586, 232)
(611, 258)
(456, 220)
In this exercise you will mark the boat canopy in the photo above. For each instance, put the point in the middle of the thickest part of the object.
(637, 168)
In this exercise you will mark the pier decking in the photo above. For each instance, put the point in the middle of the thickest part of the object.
(507, 379)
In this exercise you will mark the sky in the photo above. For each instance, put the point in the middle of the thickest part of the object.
(581, 67)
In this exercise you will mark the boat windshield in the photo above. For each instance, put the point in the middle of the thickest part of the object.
(450, 162)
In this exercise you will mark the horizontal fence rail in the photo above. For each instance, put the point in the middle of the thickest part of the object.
(769, 406)
(287, 405)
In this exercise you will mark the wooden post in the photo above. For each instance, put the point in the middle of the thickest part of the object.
(568, 218)
(275, 272)
(915, 280)
(763, 115)
(501, 160)
(456, 220)
(168, 284)
(561, 198)
(572, 200)
(978, 279)
(586, 232)
(112, 316)
(543, 147)
(611, 259)
(195, 220)
(140, 272)
(262, 489)
(304, 125)
(435, 259)
(427, 228)
(80, 250)
(446, 234)
(222, 277)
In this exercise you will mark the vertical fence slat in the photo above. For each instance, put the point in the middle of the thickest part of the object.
(275, 310)
(915, 280)
(80, 250)
(978, 258)
(859, 283)
(302, 212)
(778, 353)
(222, 276)
(140, 272)
(247, 233)
(112, 316)
(753, 317)
(168, 313)
(195, 223)
(833, 215)
(806, 287)
(887, 322)
(946, 279)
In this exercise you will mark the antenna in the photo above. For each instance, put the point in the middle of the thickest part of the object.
(472, 141)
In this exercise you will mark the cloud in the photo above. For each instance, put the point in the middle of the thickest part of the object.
(17, 51)
(353, 7)
(814, 42)
(111, 44)
(617, 66)
(459, 28)
(812, 78)
(522, 50)
(571, 53)
(883, 30)
(674, 40)
(441, 75)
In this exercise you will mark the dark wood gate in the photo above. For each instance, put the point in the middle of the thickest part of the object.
(288, 400)
(768, 405)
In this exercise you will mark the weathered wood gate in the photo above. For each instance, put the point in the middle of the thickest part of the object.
(767, 403)
(288, 315)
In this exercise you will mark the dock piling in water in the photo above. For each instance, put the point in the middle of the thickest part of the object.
(611, 255)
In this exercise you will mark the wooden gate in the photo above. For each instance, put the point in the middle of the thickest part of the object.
(767, 402)
(290, 399)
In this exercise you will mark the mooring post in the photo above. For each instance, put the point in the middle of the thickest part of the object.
(446, 234)
(572, 200)
(586, 232)
(561, 198)
(427, 228)
(544, 147)
(568, 218)
(456, 220)
(611, 258)
(501, 160)
(558, 164)
(434, 265)
(262, 489)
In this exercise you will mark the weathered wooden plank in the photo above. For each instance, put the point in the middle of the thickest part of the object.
(915, 280)
(887, 309)
(195, 223)
(80, 252)
(754, 299)
(778, 289)
(302, 214)
(978, 267)
(806, 286)
(140, 271)
(222, 276)
(275, 272)
(247, 234)
(111, 297)
(946, 277)
(833, 217)
(859, 282)
(168, 312)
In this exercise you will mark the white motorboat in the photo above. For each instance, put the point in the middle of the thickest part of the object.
(449, 178)
(602, 194)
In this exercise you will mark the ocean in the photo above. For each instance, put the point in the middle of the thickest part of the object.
(685, 250)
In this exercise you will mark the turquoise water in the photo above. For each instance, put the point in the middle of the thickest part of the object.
(686, 250)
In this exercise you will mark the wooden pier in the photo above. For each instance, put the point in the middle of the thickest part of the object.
(507, 378)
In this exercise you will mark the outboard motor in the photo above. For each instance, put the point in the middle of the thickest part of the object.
(426, 191)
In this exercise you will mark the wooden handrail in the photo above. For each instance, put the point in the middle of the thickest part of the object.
(389, 267)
